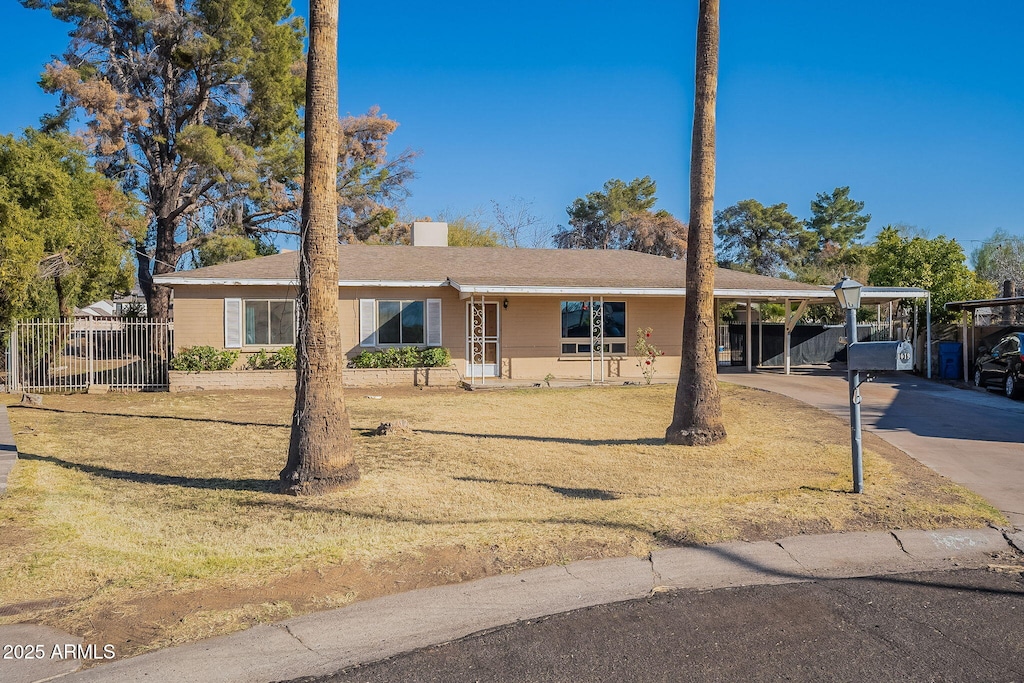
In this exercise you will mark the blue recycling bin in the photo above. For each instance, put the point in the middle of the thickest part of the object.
(951, 360)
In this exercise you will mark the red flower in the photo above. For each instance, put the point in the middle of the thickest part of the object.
(648, 362)
(648, 334)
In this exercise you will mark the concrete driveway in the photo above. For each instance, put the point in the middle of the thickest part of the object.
(974, 437)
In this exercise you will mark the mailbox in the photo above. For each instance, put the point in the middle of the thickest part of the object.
(880, 356)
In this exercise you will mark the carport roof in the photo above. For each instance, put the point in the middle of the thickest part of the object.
(983, 303)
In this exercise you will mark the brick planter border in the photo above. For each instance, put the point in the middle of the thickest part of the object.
(228, 380)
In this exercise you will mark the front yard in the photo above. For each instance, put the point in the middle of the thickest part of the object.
(145, 520)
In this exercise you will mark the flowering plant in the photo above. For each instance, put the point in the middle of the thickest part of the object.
(646, 353)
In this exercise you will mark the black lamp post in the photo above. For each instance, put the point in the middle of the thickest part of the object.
(848, 293)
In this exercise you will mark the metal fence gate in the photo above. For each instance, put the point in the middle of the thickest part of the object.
(72, 355)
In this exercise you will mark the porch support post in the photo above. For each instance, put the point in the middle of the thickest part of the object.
(974, 333)
(480, 338)
(916, 335)
(719, 342)
(749, 333)
(469, 338)
(591, 340)
(785, 335)
(483, 338)
(760, 335)
(600, 331)
(928, 333)
(964, 345)
(915, 323)
(789, 324)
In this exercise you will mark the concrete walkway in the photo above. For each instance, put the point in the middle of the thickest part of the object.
(326, 642)
(8, 451)
(974, 437)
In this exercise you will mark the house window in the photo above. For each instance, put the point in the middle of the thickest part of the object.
(269, 322)
(400, 322)
(387, 322)
(576, 325)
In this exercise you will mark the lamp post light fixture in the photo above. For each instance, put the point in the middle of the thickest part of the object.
(848, 293)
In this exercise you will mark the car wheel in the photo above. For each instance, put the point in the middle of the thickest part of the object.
(1012, 388)
(978, 382)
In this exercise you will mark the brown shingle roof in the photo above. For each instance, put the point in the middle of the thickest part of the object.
(472, 267)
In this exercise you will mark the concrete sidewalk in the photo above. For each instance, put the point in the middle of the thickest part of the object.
(8, 450)
(326, 642)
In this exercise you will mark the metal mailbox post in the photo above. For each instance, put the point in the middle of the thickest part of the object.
(866, 357)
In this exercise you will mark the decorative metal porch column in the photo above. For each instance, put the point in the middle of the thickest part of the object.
(477, 321)
(596, 336)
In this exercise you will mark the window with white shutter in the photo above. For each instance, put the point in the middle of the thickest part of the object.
(232, 323)
(367, 322)
(433, 322)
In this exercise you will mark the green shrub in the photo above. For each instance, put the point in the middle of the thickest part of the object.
(285, 358)
(203, 358)
(282, 359)
(437, 357)
(366, 359)
(403, 357)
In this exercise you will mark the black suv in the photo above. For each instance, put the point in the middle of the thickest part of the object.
(1003, 365)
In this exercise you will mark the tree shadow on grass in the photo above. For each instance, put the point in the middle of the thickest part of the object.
(237, 423)
(206, 483)
(291, 505)
(584, 494)
(550, 439)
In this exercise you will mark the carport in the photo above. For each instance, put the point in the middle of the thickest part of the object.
(969, 332)
(796, 302)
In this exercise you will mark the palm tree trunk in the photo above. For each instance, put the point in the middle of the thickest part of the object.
(697, 415)
(320, 455)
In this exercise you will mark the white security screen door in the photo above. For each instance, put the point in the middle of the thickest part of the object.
(483, 342)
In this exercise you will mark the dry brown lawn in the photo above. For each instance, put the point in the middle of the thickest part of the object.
(145, 520)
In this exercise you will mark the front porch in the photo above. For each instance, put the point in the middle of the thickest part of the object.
(516, 336)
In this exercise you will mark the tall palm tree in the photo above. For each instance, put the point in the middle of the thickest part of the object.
(320, 456)
(697, 415)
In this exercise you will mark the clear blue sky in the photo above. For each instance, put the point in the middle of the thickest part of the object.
(917, 106)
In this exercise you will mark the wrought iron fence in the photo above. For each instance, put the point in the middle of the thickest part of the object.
(72, 355)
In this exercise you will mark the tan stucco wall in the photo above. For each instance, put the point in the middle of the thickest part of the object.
(199, 311)
(530, 327)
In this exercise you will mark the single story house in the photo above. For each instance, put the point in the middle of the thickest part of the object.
(508, 313)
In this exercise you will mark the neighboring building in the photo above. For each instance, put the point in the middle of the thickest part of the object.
(510, 313)
(131, 305)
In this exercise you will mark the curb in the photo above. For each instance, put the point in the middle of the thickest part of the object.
(327, 642)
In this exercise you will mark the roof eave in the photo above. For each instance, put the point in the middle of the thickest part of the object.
(290, 282)
(568, 291)
(170, 281)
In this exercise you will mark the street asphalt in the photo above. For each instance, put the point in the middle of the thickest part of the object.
(796, 591)
(960, 625)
